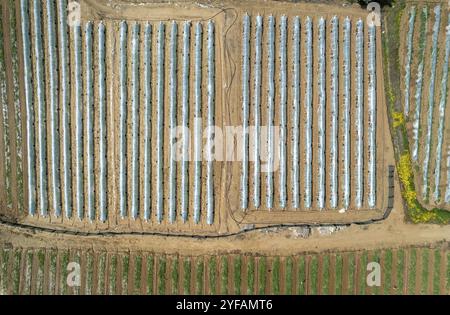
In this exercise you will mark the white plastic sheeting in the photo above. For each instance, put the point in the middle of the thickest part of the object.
(442, 107)
(409, 41)
(419, 84)
(426, 160)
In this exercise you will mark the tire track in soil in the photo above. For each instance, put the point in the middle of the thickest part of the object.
(268, 275)
(424, 270)
(150, 271)
(84, 268)
(175, 262)
(56, 285)
(107, 273)
(418, 270)
(131, 274)
(319, 276)
(332, 275)
(409, 277)
(307, 275)
(244, 274)
(394, 279)
(3, 283)
(192, 275)
(429, 288)
(144, 273)
(442, 273)
(46, 283)
(143, 277)
(405, 272)
(357, 284)
(22, 272)
(257, 280)
(206, 286)
(390, 268)
(282, 275)
(182, 276)
(384, 272)
(175, 273)
(119, 277)
(296, 279)
(345, 274)
(34, 272)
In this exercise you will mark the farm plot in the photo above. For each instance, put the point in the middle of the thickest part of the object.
(311, 115)
(102, 98)
(318, 125)
(412, 270)
(425, 60)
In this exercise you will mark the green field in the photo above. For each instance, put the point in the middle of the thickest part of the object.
(405, 270)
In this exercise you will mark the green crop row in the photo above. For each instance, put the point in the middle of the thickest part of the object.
(410, 271)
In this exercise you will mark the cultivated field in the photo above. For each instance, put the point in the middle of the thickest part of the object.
(425, 55)
(87, 173)
(317, 77)
(99, 98)
(415, 54)
(412, 270)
